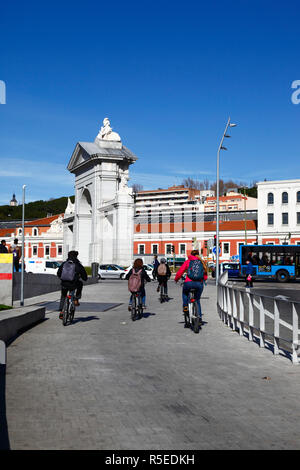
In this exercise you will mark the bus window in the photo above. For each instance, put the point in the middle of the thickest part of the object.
(265, 259)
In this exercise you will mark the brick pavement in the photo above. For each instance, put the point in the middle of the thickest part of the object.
(106, 382)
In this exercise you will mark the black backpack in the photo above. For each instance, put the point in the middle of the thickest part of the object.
(68, 271)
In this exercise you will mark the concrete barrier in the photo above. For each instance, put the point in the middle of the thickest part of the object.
(39, 284)
(12, 322)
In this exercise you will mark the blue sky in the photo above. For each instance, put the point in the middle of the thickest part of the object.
(167, 74)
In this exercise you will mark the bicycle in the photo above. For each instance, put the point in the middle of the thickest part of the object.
(163, 297)
(69, 308)
(136, 306)
(192, 317)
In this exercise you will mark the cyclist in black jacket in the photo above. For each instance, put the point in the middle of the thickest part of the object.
(76, 284)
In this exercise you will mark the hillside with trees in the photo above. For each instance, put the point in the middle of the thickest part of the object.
(36, 209)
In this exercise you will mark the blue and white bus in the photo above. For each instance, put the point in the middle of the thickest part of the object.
(280, 262)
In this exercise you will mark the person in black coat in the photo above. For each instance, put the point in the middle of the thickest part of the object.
(3, 248)
(75, 284)
(163, 267)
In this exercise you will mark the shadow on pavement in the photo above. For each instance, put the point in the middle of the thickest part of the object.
(4, 440)
(84, 319)
(88, 307)
(148, 314)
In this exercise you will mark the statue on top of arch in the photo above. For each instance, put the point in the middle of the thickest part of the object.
(106, 132)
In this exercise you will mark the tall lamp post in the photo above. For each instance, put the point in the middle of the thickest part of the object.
(225, 135)
(23, 247)
(245, 215)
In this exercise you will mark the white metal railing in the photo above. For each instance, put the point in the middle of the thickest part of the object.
(248, 313)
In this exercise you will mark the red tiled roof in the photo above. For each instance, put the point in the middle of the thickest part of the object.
(43, 221)
(230, 225)
(6, 232)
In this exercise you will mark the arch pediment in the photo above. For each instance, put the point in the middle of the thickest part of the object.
(85, 152)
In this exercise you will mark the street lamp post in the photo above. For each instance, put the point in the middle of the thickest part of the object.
(245, 215)
(229, 124)
(23, 247)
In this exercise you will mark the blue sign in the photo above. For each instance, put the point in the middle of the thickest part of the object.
(215, 250)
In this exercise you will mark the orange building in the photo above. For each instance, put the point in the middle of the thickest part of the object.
(43, 237)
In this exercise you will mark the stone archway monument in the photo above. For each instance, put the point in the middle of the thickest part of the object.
(100, 224)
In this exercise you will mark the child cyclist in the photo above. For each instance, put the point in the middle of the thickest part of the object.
(138, 274)
(196, 275)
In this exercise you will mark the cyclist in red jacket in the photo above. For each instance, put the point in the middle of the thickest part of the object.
(190, 283)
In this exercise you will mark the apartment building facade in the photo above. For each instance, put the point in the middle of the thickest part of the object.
(279, 211)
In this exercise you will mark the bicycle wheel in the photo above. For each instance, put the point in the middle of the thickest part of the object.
(133, 308)
(72, 312)
(186, 320)
(66, 312)
(161, 298)
(196, 318)
(140, 307)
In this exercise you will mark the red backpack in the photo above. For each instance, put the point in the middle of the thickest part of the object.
(135, 281)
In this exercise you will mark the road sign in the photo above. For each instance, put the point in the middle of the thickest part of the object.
(215, 250)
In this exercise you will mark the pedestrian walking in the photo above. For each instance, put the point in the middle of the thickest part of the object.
(3, 248)
(155, 266)
(17, 253)
(248, 272)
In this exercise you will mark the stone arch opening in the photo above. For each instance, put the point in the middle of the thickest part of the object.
(85, 204)
(84, 229)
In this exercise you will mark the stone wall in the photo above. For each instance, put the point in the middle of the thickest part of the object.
(39, 284)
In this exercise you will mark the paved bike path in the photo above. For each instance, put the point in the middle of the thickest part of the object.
(106, 382)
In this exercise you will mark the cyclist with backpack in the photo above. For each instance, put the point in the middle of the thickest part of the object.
(70, 272)
(137, 277)
(162, 273)
(195, 277)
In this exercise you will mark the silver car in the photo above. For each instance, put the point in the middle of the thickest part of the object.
(111, 271)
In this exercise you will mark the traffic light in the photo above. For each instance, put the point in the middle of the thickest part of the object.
(173, 249)
(205, 244)
(215, 240)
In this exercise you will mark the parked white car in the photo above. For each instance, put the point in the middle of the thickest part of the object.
(41, 266)
(111, 271)
(148, 269)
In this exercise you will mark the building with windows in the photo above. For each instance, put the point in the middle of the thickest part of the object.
(174, 236)
(279, 211)
(171, 222)
(232, 201)
(43, 238)
(173, 197)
